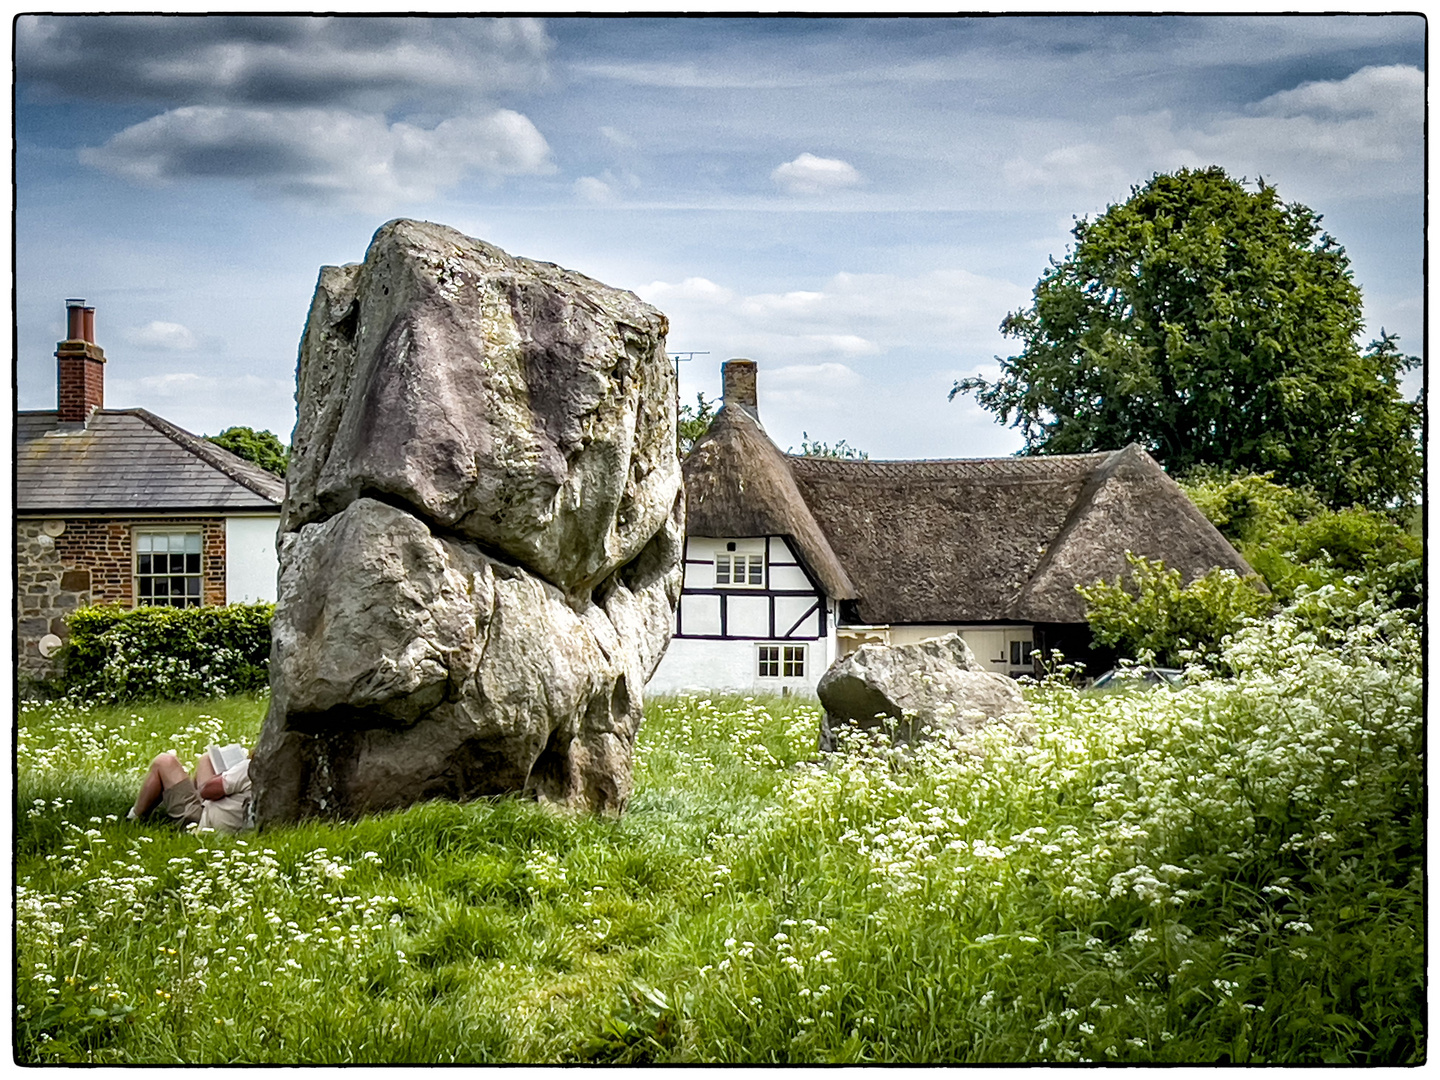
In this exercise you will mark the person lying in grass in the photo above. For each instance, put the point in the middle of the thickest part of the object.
(207, 799)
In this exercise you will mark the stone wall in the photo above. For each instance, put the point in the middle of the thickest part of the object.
(90, 562)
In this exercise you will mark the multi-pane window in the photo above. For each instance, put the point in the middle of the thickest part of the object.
(167, 569)
(776, 661)
(747, 571)
(1020, 653)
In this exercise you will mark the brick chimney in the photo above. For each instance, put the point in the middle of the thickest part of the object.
(738, 377)
(82, 365)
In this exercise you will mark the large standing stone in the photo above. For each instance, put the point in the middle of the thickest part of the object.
(936, 684)
(480, 542)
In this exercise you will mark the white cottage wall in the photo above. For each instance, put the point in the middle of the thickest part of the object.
(784, 611)
(700, 614)
(701, 667)
(251, 564)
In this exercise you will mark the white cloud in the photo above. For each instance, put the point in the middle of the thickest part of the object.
(1370, 91)
(605, 188)
(786, 304)
(1357, 136)
(846, 344)
(323, 155)
(691, 289)
(208, 404)
(941, 313)
(687, 76)
(617, 137)
(1088, 166)
(809, 379)
(811, 175)
(169, 336)
(594, 190)
(1360, 136)
(175, 384)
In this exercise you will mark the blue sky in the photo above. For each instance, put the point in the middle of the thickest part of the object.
(854, 204)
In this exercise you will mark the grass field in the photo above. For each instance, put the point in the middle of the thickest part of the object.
(1230, 872)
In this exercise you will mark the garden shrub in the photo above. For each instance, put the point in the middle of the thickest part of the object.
(159, 653)
(1158, 619)
(1246, 507)
(1384, 560)
(1293, 540)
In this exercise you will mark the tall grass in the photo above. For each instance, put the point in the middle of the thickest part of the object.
(1230, 872)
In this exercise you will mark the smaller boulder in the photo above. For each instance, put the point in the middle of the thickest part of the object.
(936, 685)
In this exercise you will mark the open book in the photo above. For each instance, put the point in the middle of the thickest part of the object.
(224, 758)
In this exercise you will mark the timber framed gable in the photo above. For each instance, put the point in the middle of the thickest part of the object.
(787, 604)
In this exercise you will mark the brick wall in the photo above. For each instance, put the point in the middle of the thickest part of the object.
(81, 372)
(90, 562)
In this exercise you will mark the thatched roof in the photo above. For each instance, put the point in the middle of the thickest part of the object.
(737, 483)
(1129, 503)
(941, 541)
(983, 540)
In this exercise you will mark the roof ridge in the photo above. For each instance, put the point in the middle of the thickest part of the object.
(1084, 499)
(1038, 467)
(217, 457)
(1004, 459)
(1113, 470)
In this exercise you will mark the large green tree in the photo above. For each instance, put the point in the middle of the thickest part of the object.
(1214, 325)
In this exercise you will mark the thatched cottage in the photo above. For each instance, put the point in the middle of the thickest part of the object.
(792, 562)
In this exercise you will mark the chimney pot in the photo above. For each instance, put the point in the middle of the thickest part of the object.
(738, 377)
(75, 320)
(90, 325)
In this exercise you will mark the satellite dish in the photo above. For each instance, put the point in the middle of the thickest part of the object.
(49, 645)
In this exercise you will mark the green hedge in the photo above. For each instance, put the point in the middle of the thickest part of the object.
(118, 654)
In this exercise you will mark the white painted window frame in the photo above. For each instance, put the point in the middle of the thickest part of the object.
(751, 553)
(136, 575)
(785, 656)
(767, 654)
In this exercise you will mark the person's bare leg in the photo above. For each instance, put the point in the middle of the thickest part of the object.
(204, 770)
(165, 771)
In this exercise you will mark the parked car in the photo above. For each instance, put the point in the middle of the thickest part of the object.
(1138, 678)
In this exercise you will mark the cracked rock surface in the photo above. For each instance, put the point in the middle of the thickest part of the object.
(480, 542)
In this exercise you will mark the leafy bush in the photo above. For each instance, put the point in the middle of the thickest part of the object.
(1293, 540)
(1160, 620)
(1248, 507)
(1359, 547)
(158, 653)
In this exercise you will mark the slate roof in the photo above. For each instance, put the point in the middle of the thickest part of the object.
(131, 460)
(960, 541)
